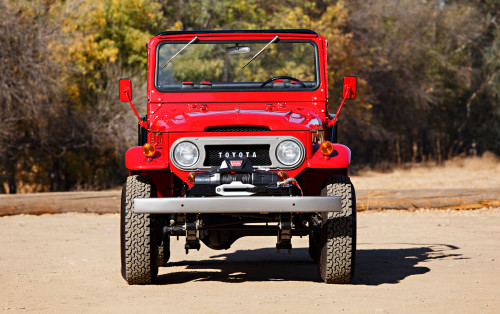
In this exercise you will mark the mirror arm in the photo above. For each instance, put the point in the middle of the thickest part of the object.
(143, 124)
(334, 120)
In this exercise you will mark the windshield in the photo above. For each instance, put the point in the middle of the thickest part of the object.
(244, 65)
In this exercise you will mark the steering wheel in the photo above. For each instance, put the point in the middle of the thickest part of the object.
(283, 77)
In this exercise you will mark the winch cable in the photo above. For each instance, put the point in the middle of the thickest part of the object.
(292, 181)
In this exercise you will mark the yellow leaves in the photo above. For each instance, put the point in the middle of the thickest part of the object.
(102, 31)
(178, 25)
(73, 91)
(99, 33)
(108, 51)
(290, 17)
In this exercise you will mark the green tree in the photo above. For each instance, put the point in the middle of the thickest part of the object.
(481, 118)
(418, 64)
(60, 64)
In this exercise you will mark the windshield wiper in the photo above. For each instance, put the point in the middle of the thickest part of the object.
(275, 39)
(194, 40)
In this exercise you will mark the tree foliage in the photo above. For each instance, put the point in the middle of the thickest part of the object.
(60, 63)
(420, 66)
(428, 75)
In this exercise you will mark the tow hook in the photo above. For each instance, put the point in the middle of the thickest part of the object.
(192, 236)
(285, 235)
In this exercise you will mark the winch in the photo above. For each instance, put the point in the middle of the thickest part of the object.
(237, 177)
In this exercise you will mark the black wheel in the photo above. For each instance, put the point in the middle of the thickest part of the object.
(139, 239)
(164, 251)
(338, 233)
(283, 77)
(314, 247)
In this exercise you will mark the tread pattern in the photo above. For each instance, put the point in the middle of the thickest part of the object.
(338, 233)
(139, 249)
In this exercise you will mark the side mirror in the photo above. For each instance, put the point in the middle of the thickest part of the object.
(349, 87)
(125, 90)
(348, 92)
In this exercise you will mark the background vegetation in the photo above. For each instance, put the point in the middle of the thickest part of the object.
(428, 73)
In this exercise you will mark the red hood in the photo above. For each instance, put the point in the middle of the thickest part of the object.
(293, 119)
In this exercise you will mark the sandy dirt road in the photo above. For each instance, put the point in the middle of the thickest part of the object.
(424, 261)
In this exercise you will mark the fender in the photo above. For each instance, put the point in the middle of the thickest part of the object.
(135, 160)
(340, 158)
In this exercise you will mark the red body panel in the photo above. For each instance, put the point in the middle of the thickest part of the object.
(340, 158)
(191, 118)
(296, 113)
(135, 160)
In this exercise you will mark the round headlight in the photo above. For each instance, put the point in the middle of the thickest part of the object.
(288, 153)
(186, 154)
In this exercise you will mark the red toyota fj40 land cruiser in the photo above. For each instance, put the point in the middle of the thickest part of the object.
(237, 141)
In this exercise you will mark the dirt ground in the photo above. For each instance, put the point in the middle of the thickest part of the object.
(439, 261)
(479, 173)
(423, 261)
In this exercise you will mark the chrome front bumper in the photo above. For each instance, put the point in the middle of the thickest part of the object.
(238, 204)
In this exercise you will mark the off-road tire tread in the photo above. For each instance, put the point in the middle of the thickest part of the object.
(338, 233)
(138, 246)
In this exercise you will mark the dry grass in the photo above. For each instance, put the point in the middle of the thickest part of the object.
(477, 172)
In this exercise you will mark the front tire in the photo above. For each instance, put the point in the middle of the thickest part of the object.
(139, 244)
(338, 233)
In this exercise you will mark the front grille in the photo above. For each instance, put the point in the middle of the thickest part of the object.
(237, 128)
(257, 154)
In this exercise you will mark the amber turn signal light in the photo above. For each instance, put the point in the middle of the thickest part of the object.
(148, 150)
(326, 148)
(190, 178)
(282, 176)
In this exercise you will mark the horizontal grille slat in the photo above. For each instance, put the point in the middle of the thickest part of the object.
(237, 128)
(257, 154)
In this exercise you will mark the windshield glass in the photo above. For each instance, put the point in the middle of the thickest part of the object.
(203, 66)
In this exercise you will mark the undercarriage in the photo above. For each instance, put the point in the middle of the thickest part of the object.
(220, 231)
(221, 207)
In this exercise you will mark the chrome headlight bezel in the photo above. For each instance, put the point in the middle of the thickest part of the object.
(202, 142)
(177, 157)
(294, 145)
